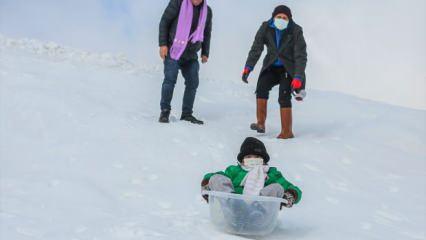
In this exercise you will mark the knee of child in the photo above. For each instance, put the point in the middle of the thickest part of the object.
(273, 190)
(221, 183)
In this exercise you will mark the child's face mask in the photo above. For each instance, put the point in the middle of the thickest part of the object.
(280, 23)
(252, 162)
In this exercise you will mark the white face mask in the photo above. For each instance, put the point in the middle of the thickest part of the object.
(252, 162)
(281, 24)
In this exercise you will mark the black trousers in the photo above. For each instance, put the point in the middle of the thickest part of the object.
(270, 78)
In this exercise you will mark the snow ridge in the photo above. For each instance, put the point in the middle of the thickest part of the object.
(57, 52)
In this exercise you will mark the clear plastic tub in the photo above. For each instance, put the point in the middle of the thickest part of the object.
(242, 214)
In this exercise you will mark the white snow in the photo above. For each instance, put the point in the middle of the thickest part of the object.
(83, 157)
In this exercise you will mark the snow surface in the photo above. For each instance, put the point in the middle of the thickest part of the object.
(83, 157)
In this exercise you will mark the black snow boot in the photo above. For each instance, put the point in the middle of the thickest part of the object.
(190, 118)
(164, 116)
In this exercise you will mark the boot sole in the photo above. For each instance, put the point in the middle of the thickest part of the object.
(193, 122)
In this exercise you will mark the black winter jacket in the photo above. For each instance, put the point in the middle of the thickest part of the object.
(292, 51)
(168, 26)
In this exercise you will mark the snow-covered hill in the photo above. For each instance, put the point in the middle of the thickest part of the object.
(83, 157)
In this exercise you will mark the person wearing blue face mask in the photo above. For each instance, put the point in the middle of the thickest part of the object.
(284, 65)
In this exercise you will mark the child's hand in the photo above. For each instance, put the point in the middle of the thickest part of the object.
(205, 187)
(290, 200)
(205, 184)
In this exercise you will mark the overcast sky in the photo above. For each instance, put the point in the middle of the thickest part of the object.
(372, 49)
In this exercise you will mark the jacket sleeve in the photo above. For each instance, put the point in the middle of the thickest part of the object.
(257, 47)
(300, 56)
(288, 186)
(169, 15)
(205, 49)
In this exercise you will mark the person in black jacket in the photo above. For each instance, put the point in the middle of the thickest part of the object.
(284, 65)
(181, 53)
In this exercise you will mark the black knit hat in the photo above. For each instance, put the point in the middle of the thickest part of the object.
(253, 146)
(282, 9)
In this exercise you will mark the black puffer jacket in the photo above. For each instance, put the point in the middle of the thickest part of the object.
(168, 26)
(292, 51)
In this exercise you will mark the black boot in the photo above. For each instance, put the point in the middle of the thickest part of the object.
(164, 116)
(190, 118)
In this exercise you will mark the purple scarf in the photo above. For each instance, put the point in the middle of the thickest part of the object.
(184, 28)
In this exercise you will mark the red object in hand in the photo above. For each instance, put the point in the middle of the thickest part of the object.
(296, 83)
(246, 73)
(246, 70)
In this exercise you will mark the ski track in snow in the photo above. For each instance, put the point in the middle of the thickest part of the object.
(83, 157)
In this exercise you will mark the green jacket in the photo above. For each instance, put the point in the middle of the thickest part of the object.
(237, 174)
